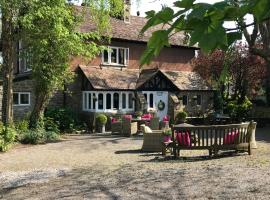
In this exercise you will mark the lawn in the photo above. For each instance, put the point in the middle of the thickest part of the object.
(108, 167)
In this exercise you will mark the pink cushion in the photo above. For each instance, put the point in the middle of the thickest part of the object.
(128, 117)
(147, 116)
(230, 137)
(183, 138)
(165, 118)
(167, 138)
(114, 120)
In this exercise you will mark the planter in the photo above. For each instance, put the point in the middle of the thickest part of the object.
(101, 129)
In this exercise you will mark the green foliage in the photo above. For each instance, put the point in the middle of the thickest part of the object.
(101, 119)
(50, 125)
(239, 111)
(203, 23)
(167, 132)
(7, 138)
(181, 117)
(38, 136)
(218, 101)
(22, 126)
(138, 113)
(65, 118)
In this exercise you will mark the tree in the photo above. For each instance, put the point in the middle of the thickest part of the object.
(243, 72)
(10, 12)
(204, 22)
(49, 33)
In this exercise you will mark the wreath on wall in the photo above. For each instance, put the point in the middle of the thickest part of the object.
(161, 105)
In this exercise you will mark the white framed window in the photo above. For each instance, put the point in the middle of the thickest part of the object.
(117, 56)
(21, 98)
(108, 101)
(25, 60)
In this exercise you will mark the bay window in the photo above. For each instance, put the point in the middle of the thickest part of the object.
(106, 101)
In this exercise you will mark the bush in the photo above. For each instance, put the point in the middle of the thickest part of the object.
(138, 113)
(65, 118)
(51, 136)
(50, 125)
(101, 119)
(237, 111)
(181, 117)
(22, 126)
(7, 138)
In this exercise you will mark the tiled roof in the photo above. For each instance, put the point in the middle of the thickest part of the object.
(187, 80)
(111, 78)
(129, 79)
(130, 31)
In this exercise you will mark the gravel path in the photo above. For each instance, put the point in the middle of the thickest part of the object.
(107, 167)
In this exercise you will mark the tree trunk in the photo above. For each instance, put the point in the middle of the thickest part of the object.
(36, 117)
(8, 66)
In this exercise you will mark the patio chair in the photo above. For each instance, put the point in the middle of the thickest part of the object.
(152, 139)
(129, 128)
(116, 127)
(154, 123)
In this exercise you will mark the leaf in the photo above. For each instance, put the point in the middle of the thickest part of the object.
(163, 16)
(187, 4)
(261, 9)
(233, 36)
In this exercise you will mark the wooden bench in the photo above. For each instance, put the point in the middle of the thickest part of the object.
(213, 138)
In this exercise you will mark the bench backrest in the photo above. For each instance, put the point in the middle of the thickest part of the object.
(205, 136)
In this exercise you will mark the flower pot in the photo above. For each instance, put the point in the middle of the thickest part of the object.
(101, 129)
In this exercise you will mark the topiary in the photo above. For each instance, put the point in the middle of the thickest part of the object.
(101, 119)
(181, 117)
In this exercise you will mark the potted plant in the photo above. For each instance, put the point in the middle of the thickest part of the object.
(167, 133)
(101, 120)
(180, 117)
(138, 114)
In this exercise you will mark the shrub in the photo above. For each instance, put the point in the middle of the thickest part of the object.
(181, 117)
(101, 119)
(138, 113)
(65, 118)
(51, 136)
(237, 111)
(7, 137)
(22, 126)
(50, 125)
(33, 136)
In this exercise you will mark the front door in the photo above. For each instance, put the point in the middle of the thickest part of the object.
(157, 100)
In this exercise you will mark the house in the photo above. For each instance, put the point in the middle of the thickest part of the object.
(113, 82)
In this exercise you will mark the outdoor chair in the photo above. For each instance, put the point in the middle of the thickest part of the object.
(129, 128)
(116, 127)
(152, 139)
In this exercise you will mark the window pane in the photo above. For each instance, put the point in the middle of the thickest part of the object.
(24, 98)
(116, 100)
(130, 101)
(108, 101)
(127, 56)
(89, 100)
(105, 56)
(94, 101)
(185, 100)
(145, 96)
(100, 101)
(84, 101)
(124, 101)
(15, 98)
(113, 55)
(121, 56)
(151, 100)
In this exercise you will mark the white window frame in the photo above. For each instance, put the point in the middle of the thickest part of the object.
(26, 68)
(19, 98)
(85, 106)
(147, 93)
(126, 56)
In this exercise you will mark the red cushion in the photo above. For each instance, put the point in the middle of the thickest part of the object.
(147, 116)
(128, 117)
(183, 138)
(114, 120)
(230, 137)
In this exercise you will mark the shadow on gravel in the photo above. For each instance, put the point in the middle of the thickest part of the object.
(132, 151)
(263, 134)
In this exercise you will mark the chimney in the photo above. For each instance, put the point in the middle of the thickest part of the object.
(127, 7)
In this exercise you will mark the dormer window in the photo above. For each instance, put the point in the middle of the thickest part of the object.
(115, 56)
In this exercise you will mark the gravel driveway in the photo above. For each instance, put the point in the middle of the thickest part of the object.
(108, 167)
